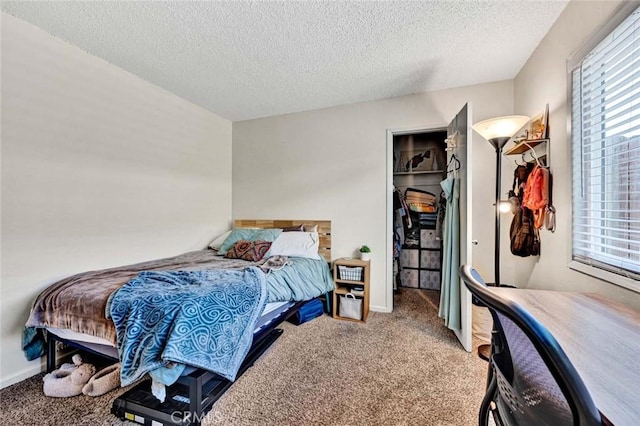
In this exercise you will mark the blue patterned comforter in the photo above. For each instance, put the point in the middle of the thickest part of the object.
(203, 318)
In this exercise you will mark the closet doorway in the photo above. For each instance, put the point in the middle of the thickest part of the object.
(459, 134)
(419, 165)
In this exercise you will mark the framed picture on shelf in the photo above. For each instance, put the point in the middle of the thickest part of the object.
(538, 126)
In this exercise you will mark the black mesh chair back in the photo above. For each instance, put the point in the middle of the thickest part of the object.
(532, 382)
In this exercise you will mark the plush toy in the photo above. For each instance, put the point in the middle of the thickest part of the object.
(103, 381)
(69, 379)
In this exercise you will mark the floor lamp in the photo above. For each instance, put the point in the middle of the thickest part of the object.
(498, 131)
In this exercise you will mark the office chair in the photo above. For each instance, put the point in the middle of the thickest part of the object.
(531, 381)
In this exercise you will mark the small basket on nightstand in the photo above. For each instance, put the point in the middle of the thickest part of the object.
(350, 273)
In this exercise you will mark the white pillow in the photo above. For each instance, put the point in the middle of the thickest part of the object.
(296, 243)
(217, 243)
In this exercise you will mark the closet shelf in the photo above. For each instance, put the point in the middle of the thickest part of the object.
(524, 146)
(418, 173)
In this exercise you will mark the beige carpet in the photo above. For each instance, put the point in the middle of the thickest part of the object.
(402, 368)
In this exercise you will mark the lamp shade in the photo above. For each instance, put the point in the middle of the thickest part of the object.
(500, 127)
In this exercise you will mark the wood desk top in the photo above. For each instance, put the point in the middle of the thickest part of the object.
(602, 340)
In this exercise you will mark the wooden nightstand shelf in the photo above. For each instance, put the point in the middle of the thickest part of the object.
(344, 286)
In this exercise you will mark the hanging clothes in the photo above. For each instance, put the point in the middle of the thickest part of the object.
(399, 214)
(398, 235)
(524, 239)
(450, 285)
(401, 208)
(442, 209)
(536, 194)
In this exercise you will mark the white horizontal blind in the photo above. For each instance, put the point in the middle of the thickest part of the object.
(606, 152)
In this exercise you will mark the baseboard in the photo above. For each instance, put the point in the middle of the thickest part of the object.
(382, 309)
(21, 375)
(63, 356)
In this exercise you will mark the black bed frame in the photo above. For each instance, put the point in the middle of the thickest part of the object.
(192, 396)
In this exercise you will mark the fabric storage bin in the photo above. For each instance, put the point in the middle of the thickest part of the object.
(430, 259)
(350, 273)
(428, 239)
(409, 258)
(310, 310)
(427, 220)
(430, 280)
(409, 278)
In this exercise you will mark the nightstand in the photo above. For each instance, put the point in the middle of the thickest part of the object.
(347, 274)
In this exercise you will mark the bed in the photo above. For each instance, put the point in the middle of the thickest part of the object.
(76, 310)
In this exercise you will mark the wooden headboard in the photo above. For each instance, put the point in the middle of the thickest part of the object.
(324, 230)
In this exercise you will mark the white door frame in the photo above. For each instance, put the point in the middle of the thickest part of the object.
(389, 232)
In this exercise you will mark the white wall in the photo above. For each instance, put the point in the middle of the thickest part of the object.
(543, 80)
(99, 169)
(331, 164)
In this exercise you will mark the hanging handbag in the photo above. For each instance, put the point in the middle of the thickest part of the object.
(550, 219)
(350, 307)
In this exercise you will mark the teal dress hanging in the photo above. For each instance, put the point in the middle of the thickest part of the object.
(450, 286)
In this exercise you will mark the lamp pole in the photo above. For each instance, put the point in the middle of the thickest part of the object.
(498, 144)
(498, 131)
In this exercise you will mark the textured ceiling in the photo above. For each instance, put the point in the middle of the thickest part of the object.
(245, 60)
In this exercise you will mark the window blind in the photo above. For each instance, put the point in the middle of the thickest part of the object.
(605, 123)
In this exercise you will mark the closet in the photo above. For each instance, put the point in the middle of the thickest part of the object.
(419, 165)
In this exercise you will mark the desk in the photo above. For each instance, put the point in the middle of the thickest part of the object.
(602, 340)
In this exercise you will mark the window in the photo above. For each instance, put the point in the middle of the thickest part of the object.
(605, 122)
